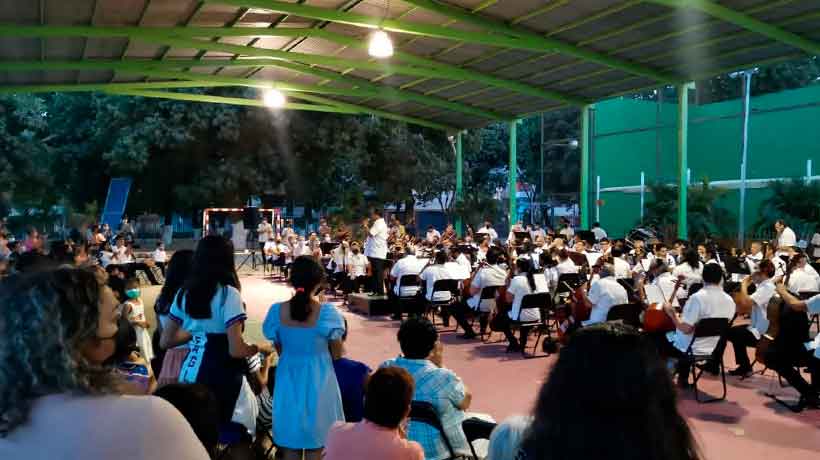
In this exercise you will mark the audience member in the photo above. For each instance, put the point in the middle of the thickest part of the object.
(505, 440)
(351, 376)
(306, 398)
(610, 381)
(199, 407)
(178, 270)
(208, 315)
(54, 390)
(129, 363)
(422, 356)
(380, 436)
(136, 314)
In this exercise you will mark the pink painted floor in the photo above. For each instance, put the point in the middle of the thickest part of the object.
(747, 426)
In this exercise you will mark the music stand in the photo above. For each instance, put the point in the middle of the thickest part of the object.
(327, 247)
(250, 254)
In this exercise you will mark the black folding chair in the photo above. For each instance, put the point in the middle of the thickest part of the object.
(707, 327)
(487, 293)
(567, 282)
(537, 301)
(476, 429)
(424, 412)
(628, 313)
(408, 300)
(437, 306)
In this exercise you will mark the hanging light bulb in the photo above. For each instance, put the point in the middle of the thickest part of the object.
(273, 98)
(380, 45)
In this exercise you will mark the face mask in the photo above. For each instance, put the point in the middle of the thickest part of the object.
(132, 293)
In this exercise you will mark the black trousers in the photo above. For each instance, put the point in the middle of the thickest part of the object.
(504, 322)
(787, 360)
(377, 280)
(741, 338)
(461, 311)
(353, 285)
(667, 350)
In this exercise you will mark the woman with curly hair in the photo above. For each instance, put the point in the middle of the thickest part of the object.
(57, 400)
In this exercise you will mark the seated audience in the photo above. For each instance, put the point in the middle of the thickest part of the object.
(380, 436)
(422, 356)
(610, 381)
(129, 363)
(351, 376)
(54, 390)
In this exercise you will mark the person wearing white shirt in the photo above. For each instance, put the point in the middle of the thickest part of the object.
(598, 231)
(786, 238)
(160, 257)
(691, 269)
(376, 250)
(524, 283)
(754, 257)
(709, 302)
(814, 250)
(803, 277)
(488, 230)
(433, 236)
(621, 266)
(755, 304)
(662, 252)
(435, 272)
(491, 274)
(264, 232)
(407, 265)
(538, 232)
(787, 363)
(356, 265)
(464, 261)
(338, 263)
(565, 264)
(604, 293)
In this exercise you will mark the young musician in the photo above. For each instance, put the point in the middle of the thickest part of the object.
(691, 269)
(488, 230)
(709, 302)
(433, 235)
(356, 265)
(662, 252)
(803, 277)
(376, 251)
(491, 274)
(524, 283)
(432, 273)
(338, 258)
(756, 304)
(755, 256)
(786, 362)
(599, 232)
(565, 264)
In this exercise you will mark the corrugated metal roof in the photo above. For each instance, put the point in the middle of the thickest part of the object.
(480, 60)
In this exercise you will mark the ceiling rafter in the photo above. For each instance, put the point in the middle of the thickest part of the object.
(745, 21)
(419, 66)
(502, 35)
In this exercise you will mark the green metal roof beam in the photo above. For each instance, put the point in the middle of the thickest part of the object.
(548, 44)
(88, 87)
(745, 21)
(503, 35)
(229, 100)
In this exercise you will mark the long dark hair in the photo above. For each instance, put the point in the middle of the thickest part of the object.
(609, 380)
(305, 275)
(692, 258)
(212, 266)
(177, 271)
(525, 267)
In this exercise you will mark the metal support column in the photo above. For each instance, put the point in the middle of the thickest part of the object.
(744, 152)
(683, 133)
(583, 199)
(513, 172)
(459, 182)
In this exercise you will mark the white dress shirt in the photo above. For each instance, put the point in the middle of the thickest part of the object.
(787, 238)
(622, 270)
(376, 245)
(603, 294)
(491, 275)
(356, 265)
(520, 287)
(709, 302)
(488, 231)
(802, 280)
(566, 266)
(760, 300)
(813, 306)
(407, 265)
(433, 235)
(432, 274)
(599, 233)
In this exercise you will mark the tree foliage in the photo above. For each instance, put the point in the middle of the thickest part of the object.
(706, 217)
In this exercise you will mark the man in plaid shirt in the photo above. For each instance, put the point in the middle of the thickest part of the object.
(422, 358)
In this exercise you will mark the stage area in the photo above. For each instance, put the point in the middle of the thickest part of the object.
(748, 426)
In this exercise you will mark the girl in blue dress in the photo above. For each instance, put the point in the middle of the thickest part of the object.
(306, 399)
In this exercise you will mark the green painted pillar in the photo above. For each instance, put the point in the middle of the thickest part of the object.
(683, 147)
(459, 182)
(513, 185)
(583, 198)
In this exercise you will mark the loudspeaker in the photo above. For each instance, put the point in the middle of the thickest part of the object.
(250, 218)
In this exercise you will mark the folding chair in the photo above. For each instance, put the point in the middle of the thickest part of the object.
(540, 301)
(475, 429)
(628, 313)
(567, 282)
(707, 327)
(403, 300)
(436, 306)
(424, 412)
(487, 293)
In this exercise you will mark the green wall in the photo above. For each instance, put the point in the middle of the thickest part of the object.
(633, 135)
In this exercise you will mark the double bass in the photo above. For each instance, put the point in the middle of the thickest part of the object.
(775, 311)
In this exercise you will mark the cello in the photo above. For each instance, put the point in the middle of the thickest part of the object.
(655, 318)
(774, 310)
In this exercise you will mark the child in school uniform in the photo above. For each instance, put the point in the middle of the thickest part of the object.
(136, 315)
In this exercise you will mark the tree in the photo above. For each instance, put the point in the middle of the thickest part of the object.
(794, 201)
(706, 218)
